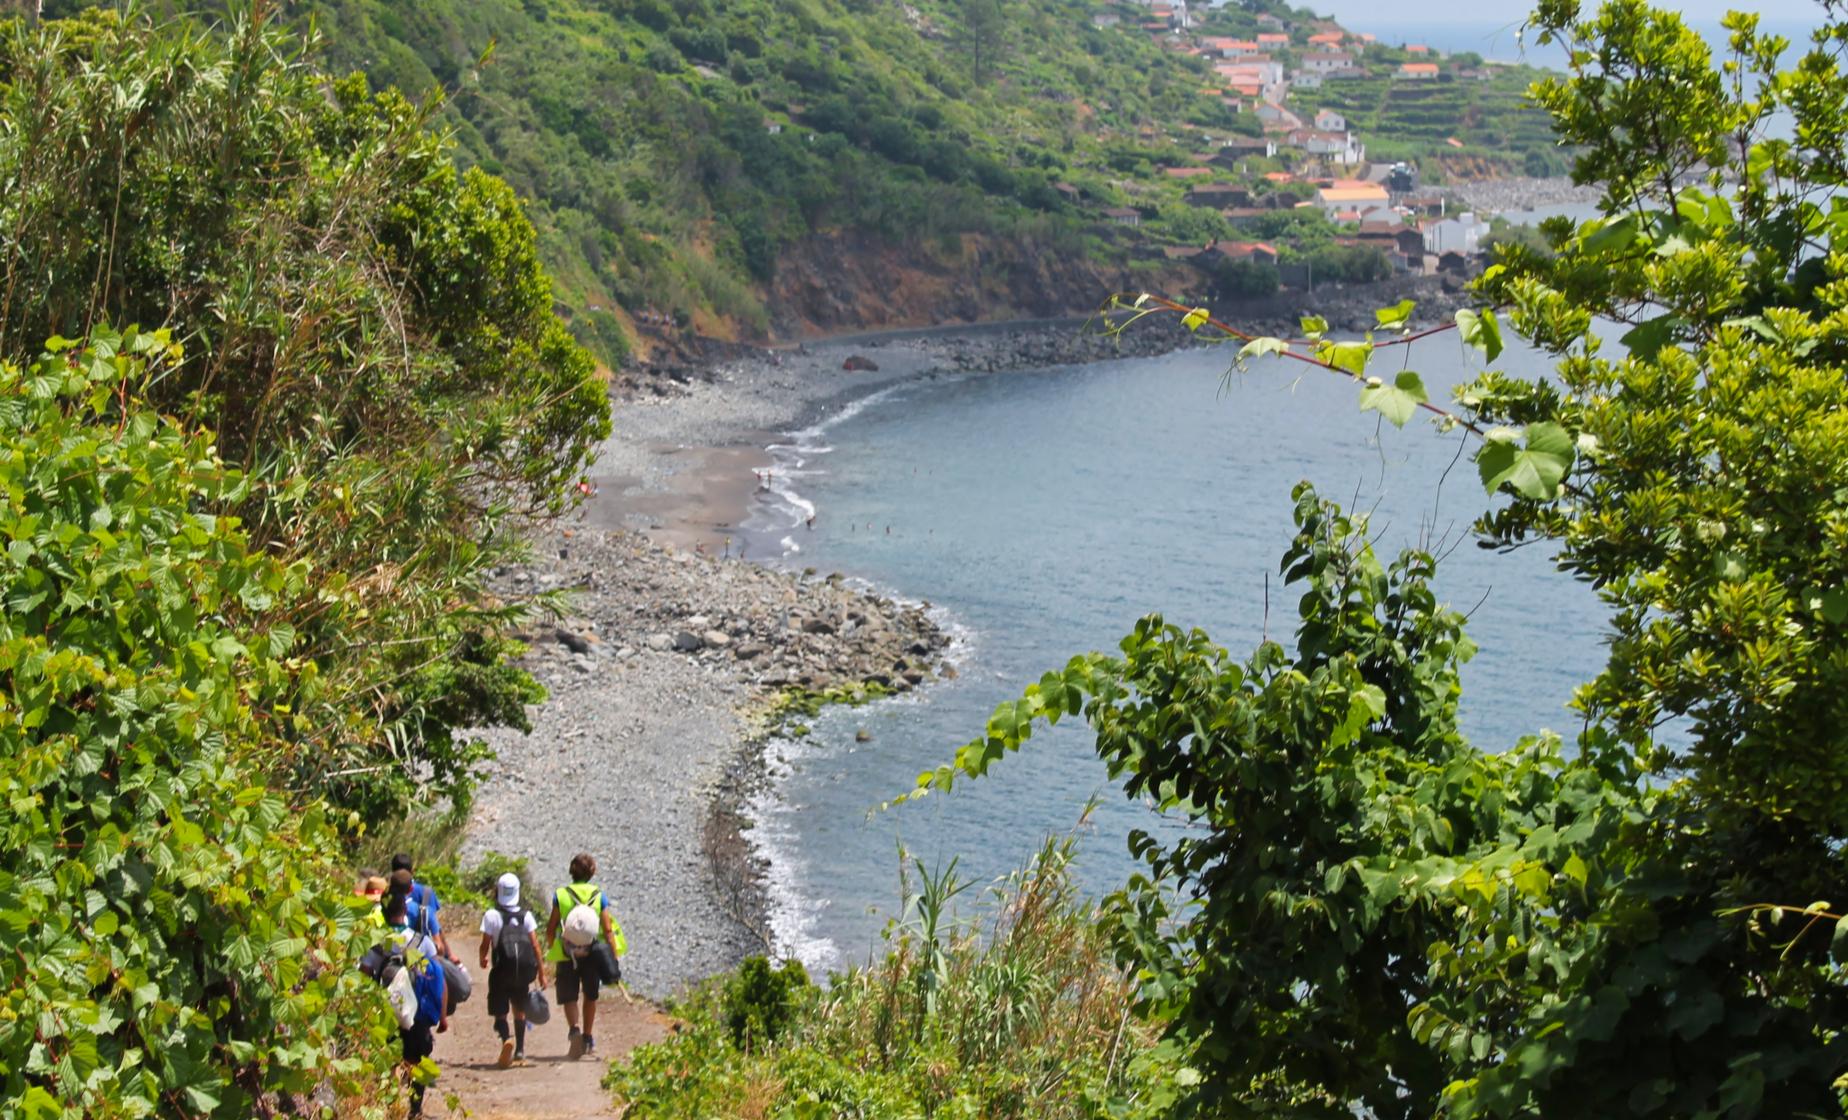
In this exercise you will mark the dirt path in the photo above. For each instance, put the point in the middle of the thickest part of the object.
(547, 1087)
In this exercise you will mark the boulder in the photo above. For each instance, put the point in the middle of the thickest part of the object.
(717, 639)
(687, 642)
(659, 642)
(860, 363)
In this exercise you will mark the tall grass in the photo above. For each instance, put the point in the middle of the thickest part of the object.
(1021, 1011)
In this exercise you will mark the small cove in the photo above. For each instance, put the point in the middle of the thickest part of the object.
(1042, 514)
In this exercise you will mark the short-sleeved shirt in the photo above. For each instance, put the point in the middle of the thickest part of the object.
(413, 907)
(491, 922)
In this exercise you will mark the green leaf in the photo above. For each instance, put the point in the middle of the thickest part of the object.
(1259, 347)
(1479, 329)
(1196, 318)
(1532, 471)
(1348, 357)
(1835, 606)
(1396, 402)
(1396, 315)
(1314, 326)
(1645, 340)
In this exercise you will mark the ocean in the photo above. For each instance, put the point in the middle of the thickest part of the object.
(1041, 514)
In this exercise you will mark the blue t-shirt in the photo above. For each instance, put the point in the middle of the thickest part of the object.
(414, 908)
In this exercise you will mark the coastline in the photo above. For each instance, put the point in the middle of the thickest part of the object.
(677, 638)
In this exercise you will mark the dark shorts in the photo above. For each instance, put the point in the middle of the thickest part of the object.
(505, 993)
(419, 1042)
(571, 972)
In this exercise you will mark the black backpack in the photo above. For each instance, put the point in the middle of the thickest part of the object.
(513, 949)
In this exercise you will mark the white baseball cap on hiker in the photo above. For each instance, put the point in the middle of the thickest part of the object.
(507, 891)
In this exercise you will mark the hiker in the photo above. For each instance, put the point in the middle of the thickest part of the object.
(510, 954)
(419, 959)
(579, 911)
(422, 905)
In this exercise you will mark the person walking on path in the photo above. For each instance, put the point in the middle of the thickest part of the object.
(573, 956)
(422, 905)
(511, 957)
(417, 1041)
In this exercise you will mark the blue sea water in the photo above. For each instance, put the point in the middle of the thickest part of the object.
(1041, 514)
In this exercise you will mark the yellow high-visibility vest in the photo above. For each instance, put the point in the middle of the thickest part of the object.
(567, 899)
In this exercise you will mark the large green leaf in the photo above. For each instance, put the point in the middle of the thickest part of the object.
(1533, 468)
(1396, 402)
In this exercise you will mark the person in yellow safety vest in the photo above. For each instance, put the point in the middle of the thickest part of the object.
(572, 971)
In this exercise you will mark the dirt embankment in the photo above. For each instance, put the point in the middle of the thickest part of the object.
(847, 281)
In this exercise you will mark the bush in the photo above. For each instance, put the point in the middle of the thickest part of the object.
(174, 937)
(760, 1001)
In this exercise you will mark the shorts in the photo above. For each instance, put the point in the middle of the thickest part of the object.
(419, 1042)
(567, 973)
(505, 993)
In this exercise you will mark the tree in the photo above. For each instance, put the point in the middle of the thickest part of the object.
(367, 331)
(984, 34)
(1650, 923)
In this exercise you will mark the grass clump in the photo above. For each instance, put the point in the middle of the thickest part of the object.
(1021, 1012)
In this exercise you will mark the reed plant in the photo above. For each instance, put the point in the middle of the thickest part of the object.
(1017, 1010)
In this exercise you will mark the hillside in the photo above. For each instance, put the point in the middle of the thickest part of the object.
(702, 167)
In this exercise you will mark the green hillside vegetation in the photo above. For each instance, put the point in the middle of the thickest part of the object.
(641, 130)
(672, 153)
(245, 615)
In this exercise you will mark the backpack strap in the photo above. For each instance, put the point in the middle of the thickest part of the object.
(424, 896)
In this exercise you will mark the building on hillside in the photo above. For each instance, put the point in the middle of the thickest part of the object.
(1269, 19)
(1123, 216)
(1246, 215)
(1303, 79)
(1068, 192)
(1335, 147)
(1258, 72)
(1188, 172)
(1327, 62)
(1257, 252)
(1326, 39)
(1271, 113)
(1270, 40)
(1106, 19)
(773, 127)
(1409, 243)
(1236, 148)
(1456, 264)
(1218, 196)
(1417, 48)
(1349, 198)
(1327, 120)
(1417, 71)
(1461, 234)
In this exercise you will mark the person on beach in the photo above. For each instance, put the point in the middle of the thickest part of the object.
(417, 1041)
(575, 968)
(511, 957)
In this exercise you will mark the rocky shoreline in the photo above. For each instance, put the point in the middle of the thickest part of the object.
(669, 645)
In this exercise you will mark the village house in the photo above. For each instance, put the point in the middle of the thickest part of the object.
(1271, 113)
(1417, 48)
(1327, 62)
(1235, 148)
(1303, 79)
(1417, 71)
(1257, 252)
(1187, 172)
(1326, 39)
(1335, 147)
(1461, 234)
(1218, 196)
(1270, 39)
(1327, 120)
(1068, 192)
(1123, 216)
(1246, 215)
(1106, 19)
(1259, 72)
(1349, 196)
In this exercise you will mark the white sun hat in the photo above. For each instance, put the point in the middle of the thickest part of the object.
(507, 891)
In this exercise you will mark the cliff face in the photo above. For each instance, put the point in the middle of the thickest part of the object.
(837, 282)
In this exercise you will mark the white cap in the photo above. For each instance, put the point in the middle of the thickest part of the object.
(507, 892)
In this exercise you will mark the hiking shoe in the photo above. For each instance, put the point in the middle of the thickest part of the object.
(590, 1047)
(506, 1054)
(519, 1057)
(575, 1049)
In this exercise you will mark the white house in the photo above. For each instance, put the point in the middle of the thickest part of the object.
(1303, 79)
(1461, 234)
(1327, 120)
(1327, 62)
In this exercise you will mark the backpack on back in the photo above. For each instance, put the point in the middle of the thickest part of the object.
(513, 948)
(584, 921)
